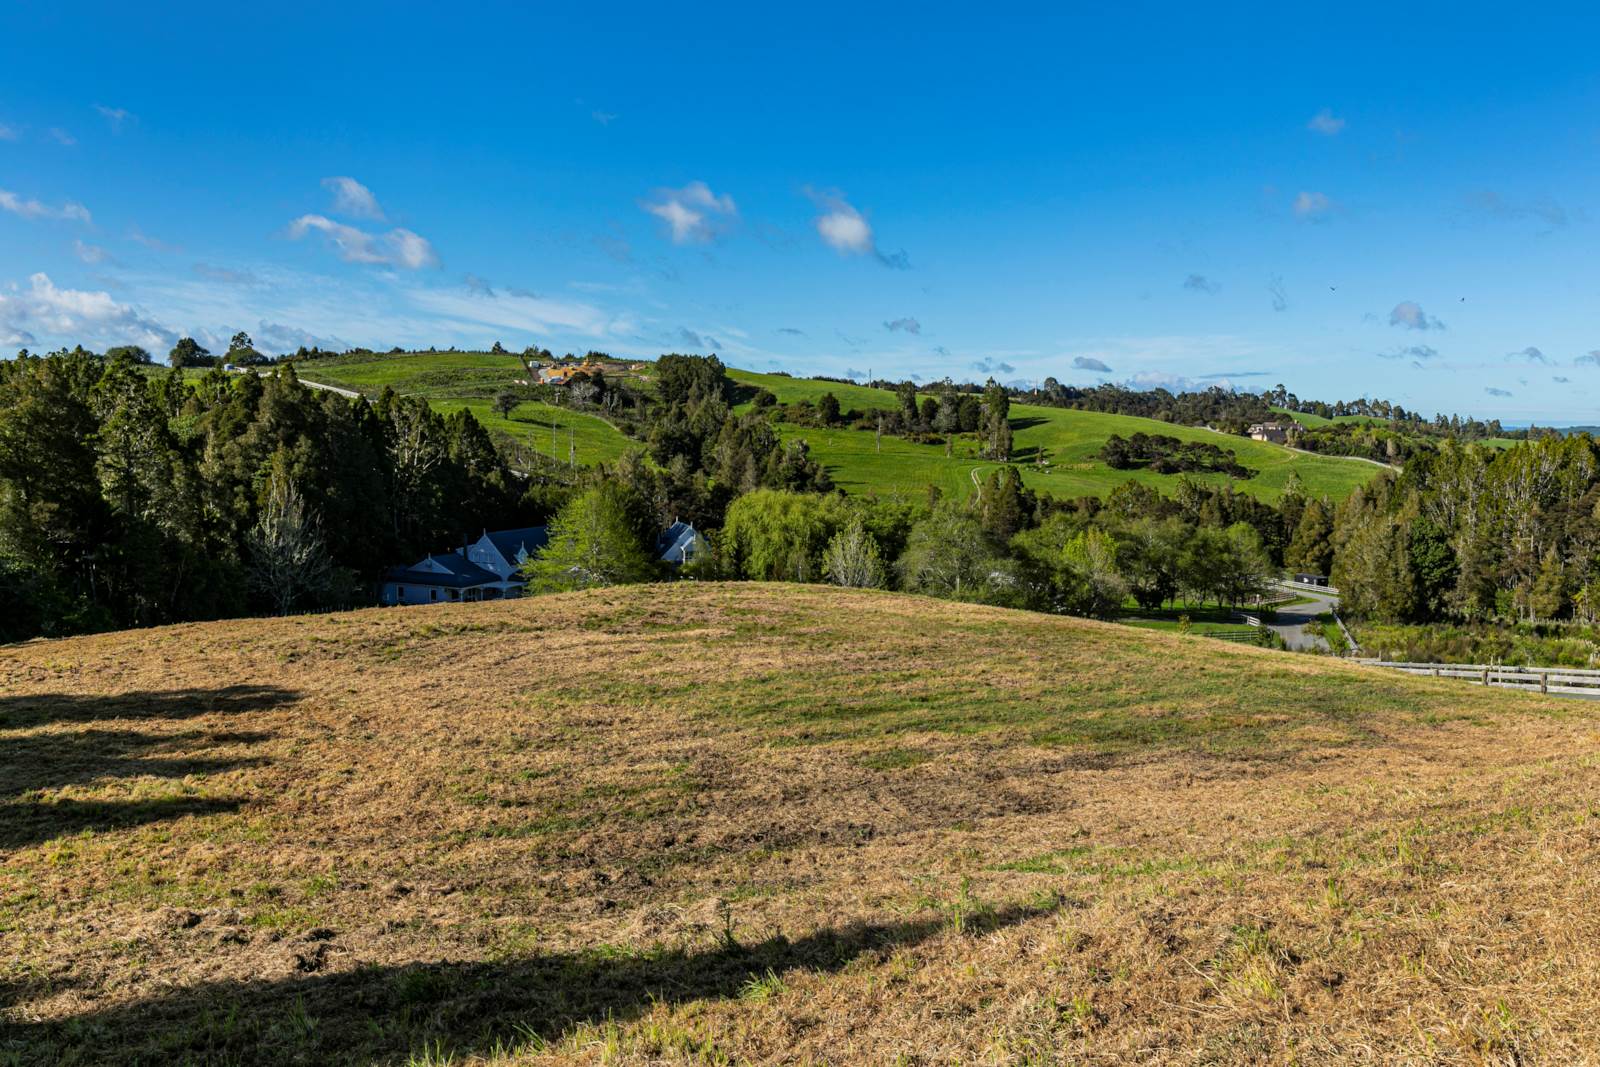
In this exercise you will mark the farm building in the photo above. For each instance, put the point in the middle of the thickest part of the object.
(1274, 432)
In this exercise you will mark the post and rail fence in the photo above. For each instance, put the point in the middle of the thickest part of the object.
(1552, 681)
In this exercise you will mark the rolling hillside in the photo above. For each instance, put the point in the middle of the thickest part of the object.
(1071, 438)
(711, 823)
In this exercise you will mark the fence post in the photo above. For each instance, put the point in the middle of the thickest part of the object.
(1436, 672)
(1486, 676)
(1544, 681)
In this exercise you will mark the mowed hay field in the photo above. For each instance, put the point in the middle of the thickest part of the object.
(780, 824)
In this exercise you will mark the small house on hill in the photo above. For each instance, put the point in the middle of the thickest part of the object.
(680, 543)
(1273, 432)
(487, 569)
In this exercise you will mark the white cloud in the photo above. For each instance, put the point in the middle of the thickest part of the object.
(1325, 123)
(75, 316)
(397, 248)
(1589, 357)
(62, 137)
(1311, 205)
(1090, 363)
(154, 244)
(9, 133)
(34, 209)
(90, 253)
(693, 214)
(1409, 313)
(908, 325)
(114, 115)
(352, 198)
(846, 231)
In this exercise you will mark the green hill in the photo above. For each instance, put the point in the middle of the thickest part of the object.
(708, 823)
(854, 460)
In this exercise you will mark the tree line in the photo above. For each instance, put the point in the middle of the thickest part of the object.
(133, 497)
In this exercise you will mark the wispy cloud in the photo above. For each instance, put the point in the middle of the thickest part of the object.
(1490, 203)
(696, 341)
(9, 133)
(604, 118)
(992, 366)
(1592, 357)
(1527, 355)
(1280, 299)
(1560, 380)
(792, 331)
(1412, 352)
(225, 275)
(35, 209)
(397, 248)
(352, 198)
(61, 137)
(1311, 205)
(1409, 313)
(1492, 391)
(116, 116)
(92, 254)
(139, 237)
(1325, 123)
(693, 214)
(1090, 363)
(847, 231)
(905, 325)
(1199, 283)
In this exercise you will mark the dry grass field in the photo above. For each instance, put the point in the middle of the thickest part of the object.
(780, 824)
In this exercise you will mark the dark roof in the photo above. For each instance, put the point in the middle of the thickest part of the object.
(533, 538)
(463, 573)
(674, 542)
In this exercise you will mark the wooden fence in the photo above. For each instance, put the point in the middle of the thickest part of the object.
(1555, 681)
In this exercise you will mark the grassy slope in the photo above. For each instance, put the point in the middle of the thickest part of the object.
(1070, 437)
(453, 379)
(725, 823)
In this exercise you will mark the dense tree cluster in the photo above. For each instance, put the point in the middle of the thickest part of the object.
(1221, 409)
(1168, 455)
(1009, 546)
(1466, 533)
(129, 498)
(1407, 422)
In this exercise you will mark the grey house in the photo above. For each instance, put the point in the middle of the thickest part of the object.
(680, 543)
(487, 569)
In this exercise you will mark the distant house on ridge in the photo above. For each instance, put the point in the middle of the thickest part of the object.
(1275, 432)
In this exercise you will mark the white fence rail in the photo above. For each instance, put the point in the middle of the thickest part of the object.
(1555, 681)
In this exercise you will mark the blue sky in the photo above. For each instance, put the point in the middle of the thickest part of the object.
(1351, 201)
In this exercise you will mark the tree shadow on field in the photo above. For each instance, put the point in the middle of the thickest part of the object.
(37, 762)
(386, 1014)
(20, 712)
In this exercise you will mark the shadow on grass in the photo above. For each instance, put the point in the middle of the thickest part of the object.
(23, 823)
(36, 763)
(19, 712)
(385, 1014)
